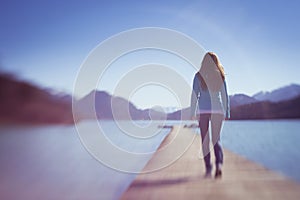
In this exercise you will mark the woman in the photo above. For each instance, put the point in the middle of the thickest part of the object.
(210, 102)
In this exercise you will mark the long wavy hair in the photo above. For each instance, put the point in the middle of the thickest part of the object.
(212, 74)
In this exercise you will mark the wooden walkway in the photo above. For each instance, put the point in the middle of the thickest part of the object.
(242, 179)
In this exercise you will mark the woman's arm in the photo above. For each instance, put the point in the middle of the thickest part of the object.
(225, 100)
(194, 96)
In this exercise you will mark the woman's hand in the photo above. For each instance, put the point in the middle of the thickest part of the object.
(193, 118)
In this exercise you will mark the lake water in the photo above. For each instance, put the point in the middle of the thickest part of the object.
(274, 143)
(51, 161)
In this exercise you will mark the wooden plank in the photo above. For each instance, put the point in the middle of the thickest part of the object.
(242, 179)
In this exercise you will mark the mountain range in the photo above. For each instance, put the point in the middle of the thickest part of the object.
(280, 103)
(281, 94)
(101, 105)
(277, 95)
(25, 103)
(22, 102)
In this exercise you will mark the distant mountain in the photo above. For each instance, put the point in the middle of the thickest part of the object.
(184, 114)
(283, 103)
(268, 110)
(281, 94)
(24, 103)
(241, 99)
(101, 105)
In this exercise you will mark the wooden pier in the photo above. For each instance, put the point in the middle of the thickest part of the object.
(242, 179)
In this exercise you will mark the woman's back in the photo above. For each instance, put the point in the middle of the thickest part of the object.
(208, 100)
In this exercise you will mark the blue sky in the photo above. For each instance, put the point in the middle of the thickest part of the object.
(45, 42)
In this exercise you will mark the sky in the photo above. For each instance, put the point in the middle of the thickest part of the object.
(46, 42)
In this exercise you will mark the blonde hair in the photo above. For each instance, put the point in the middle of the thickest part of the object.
(212, 74)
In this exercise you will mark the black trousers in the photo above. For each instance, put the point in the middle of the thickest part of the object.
(216, 121)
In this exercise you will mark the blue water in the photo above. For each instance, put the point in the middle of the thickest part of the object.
(274, 143)
(51, 162)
